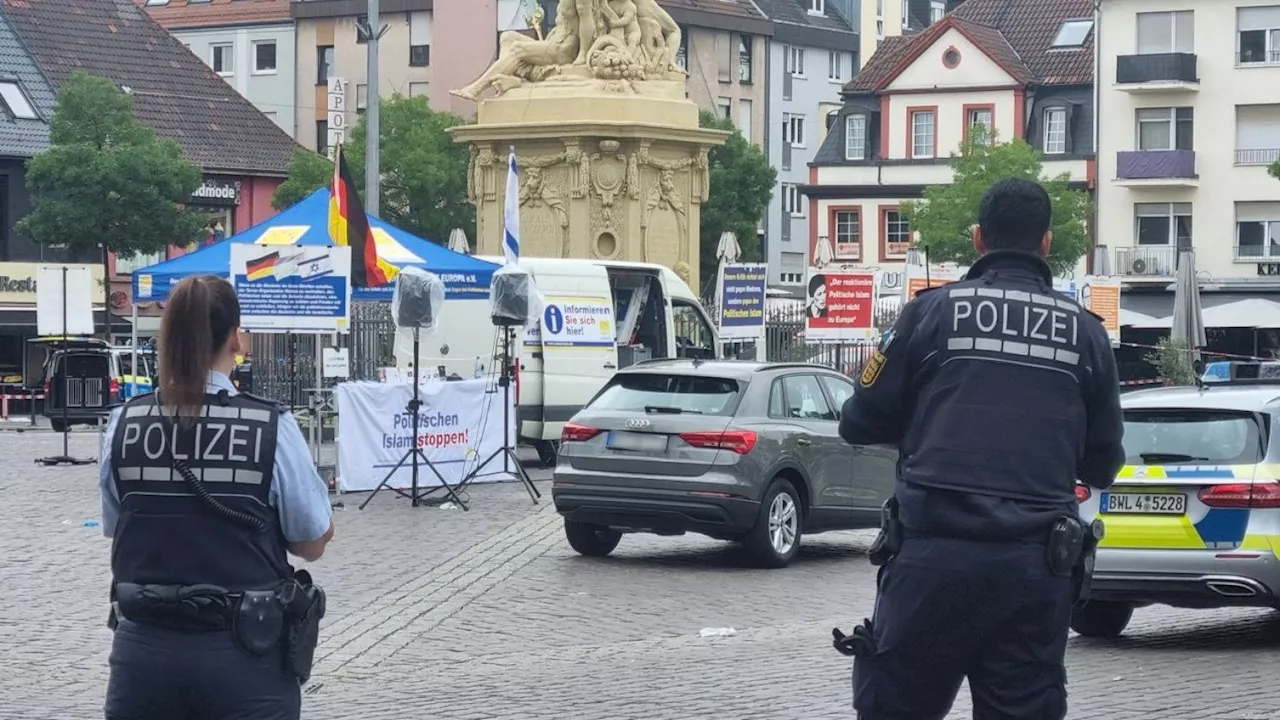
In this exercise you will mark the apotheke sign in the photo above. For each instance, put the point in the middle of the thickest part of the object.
(217, 192)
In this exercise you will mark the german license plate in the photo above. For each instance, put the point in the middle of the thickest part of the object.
(636, 442)
(1144, 503)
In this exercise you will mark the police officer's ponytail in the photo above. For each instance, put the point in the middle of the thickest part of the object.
(201, 315)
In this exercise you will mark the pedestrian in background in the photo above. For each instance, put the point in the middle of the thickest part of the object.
(1000, 394)
(205, 490)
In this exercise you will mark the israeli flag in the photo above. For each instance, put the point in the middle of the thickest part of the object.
(511, 215)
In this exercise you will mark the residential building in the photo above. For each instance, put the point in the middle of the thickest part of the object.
(812, 53)
(1016, 68)
(427, 49)
(876, 20)
(248, 43)
(244, 155)
(1189, 113)
(723, 47)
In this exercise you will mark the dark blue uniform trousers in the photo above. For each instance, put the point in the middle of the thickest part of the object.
(948, 609)
(158, 673)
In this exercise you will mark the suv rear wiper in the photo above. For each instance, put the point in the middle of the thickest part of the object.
(1159, 457)
(670, 410)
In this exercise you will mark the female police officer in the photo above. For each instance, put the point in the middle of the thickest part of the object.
(204, 490)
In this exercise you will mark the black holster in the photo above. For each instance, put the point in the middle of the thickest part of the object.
(889, 542)
(304, 606)
(1072, 549)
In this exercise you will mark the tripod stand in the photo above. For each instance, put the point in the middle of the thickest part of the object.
(507, 452)
(414, 454)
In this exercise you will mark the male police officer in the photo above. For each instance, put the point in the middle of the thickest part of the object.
(1001, 394)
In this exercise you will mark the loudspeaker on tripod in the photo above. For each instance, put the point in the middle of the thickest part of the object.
(509, 297)
(418, 299)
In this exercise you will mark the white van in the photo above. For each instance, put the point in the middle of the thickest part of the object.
(599, 316)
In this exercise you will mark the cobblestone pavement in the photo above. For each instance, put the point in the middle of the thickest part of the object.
(487, 614)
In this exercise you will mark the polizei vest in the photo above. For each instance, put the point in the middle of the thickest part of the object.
(165, 535)
(1000, 406)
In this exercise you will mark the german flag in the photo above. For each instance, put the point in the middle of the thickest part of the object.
(263, 267)
(349, 225)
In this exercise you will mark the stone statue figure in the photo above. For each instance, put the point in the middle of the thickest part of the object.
(603, 40)
(521, 58)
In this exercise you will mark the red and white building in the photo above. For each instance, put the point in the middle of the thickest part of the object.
(1021, 68)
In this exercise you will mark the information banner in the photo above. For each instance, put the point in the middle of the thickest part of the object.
(742, 293)
(1101, 296)
(578, 322)
(459, 426)
(840, 305)
(292, 288)
(918, 278)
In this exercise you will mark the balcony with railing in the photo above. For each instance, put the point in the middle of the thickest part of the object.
(1258, 156)
(1268, 253)
(1156, 168)
(1152, 261)
(1157, 72)
(1258, 56)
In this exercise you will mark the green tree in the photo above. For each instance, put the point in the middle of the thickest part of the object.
(742, 183)
(946, 215)
(1172, 360)
(107, 183)
(1274, 170)
(424, 172)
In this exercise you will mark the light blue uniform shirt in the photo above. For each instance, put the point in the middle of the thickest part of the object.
(297, 492)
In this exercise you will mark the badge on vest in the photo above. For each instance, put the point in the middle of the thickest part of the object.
(871, 372)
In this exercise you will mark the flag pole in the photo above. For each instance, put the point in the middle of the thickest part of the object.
(373, 132)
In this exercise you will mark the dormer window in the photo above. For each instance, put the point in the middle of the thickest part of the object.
(855, 137)
(1073, 34)
(16, 101)
(818, 7)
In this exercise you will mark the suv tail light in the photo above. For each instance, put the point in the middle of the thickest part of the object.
(1082, 493)
(573, 432)
(115, 386)
(47, 387)
(739, 441)
(1242, 495)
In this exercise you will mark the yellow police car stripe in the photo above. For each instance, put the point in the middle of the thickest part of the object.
(1165, 532)
(1161, 532)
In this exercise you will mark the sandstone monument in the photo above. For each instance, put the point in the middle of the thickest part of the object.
(611, 160)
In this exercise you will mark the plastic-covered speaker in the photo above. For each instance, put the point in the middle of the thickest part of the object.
(418, 299)
(509, 297)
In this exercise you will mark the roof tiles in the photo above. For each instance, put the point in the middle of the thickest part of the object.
(1017, 34)
(174, 92)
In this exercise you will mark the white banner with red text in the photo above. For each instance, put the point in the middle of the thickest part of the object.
(460, 425)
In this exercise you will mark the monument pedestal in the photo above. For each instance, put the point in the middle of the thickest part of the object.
(605, 173)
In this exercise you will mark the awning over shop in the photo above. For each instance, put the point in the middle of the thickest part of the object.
(1220, 310)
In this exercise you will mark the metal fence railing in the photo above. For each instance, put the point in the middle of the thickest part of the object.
(285, 365)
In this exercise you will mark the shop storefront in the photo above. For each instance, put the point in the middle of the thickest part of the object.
(226, 205)
(18, 320)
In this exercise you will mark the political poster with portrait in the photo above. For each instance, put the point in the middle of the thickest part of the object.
(290, 288)
(840, 304)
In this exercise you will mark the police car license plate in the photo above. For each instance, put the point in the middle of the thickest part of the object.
(636, 442)
(1144, 503)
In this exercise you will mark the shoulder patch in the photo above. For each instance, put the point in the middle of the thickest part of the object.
(871, 372)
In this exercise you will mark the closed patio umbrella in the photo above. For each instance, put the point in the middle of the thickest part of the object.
(1188, 319)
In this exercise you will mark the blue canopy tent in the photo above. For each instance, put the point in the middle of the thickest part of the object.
(307, 223)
